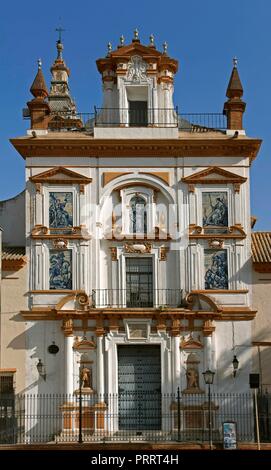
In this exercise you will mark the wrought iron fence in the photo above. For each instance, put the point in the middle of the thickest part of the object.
(137, 298)
(127, 417)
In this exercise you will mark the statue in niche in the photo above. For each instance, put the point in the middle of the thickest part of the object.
(192, 377)
(192, 374)
(86, 378)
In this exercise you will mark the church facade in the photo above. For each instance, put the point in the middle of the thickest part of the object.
(137, 235)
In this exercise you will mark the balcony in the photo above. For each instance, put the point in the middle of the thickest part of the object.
(137, 298)
(127, 118)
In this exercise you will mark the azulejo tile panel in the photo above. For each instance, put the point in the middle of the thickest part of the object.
(60, 209)
(215, 209)
(216, 269)
(61, 269)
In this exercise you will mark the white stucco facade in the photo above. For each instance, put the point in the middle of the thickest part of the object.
(137, 234)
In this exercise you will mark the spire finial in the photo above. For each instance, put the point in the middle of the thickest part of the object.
(122, 39)
(59, 44)
(165, 47)
(109, 48)
(39, 64)
(60, 30)
(235, 62)
(152, 41)
(136, 34)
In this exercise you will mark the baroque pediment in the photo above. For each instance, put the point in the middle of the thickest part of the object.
(60, 175)
(214, 175)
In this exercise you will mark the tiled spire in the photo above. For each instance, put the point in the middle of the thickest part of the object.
(59, 97)
(235, 106)
(38, 87)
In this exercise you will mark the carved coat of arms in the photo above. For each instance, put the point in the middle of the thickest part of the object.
(137, 68)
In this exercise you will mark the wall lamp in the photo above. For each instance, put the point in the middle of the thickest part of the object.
(41, 369)
(235, 365)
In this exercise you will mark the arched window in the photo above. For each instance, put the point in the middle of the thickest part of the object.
(138, 215)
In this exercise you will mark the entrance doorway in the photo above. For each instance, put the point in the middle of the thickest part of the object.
(139, 387)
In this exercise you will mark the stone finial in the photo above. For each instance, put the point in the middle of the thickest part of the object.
(39, 63)
(122, 39)
(59, 47)
(235, 61)
(109, 48)
(165, 47)
(152, 41)
(136, 36)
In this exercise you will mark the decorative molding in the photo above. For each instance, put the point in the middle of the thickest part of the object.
(144, 184)
(83, 344)
(38, 188)
(87, 146)
(208, 328)
(111, 175)
(67, 326)
(42, 232)
(60, 175)
(175, 326)
(141, 248)
(100, 331)
(214, 243)
(113, 321)
(60, 243)
(193, 301)
(158, 235)
(163, 253)
(214, 175)
(234, 231)
(161, 322)
(162, 175)
(191, 342)
(83, 299)
(101, 315)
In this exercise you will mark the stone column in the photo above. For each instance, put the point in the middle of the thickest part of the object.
(176, 363)
(68, 342)
(208, 330)
(100, 368)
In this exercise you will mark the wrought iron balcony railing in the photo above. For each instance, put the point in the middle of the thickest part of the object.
(137, 298)
(124, 117)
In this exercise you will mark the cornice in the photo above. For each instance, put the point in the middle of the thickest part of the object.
(227, 314)
(89, 147)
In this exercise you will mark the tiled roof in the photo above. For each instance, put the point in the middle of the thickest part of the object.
(261, 247)
(13, 253)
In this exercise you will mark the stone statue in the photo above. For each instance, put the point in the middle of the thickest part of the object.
(192, 377)
(86, 377)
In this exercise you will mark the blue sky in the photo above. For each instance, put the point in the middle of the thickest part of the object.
(203, 35)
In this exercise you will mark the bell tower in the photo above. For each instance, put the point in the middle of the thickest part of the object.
(138, 84)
